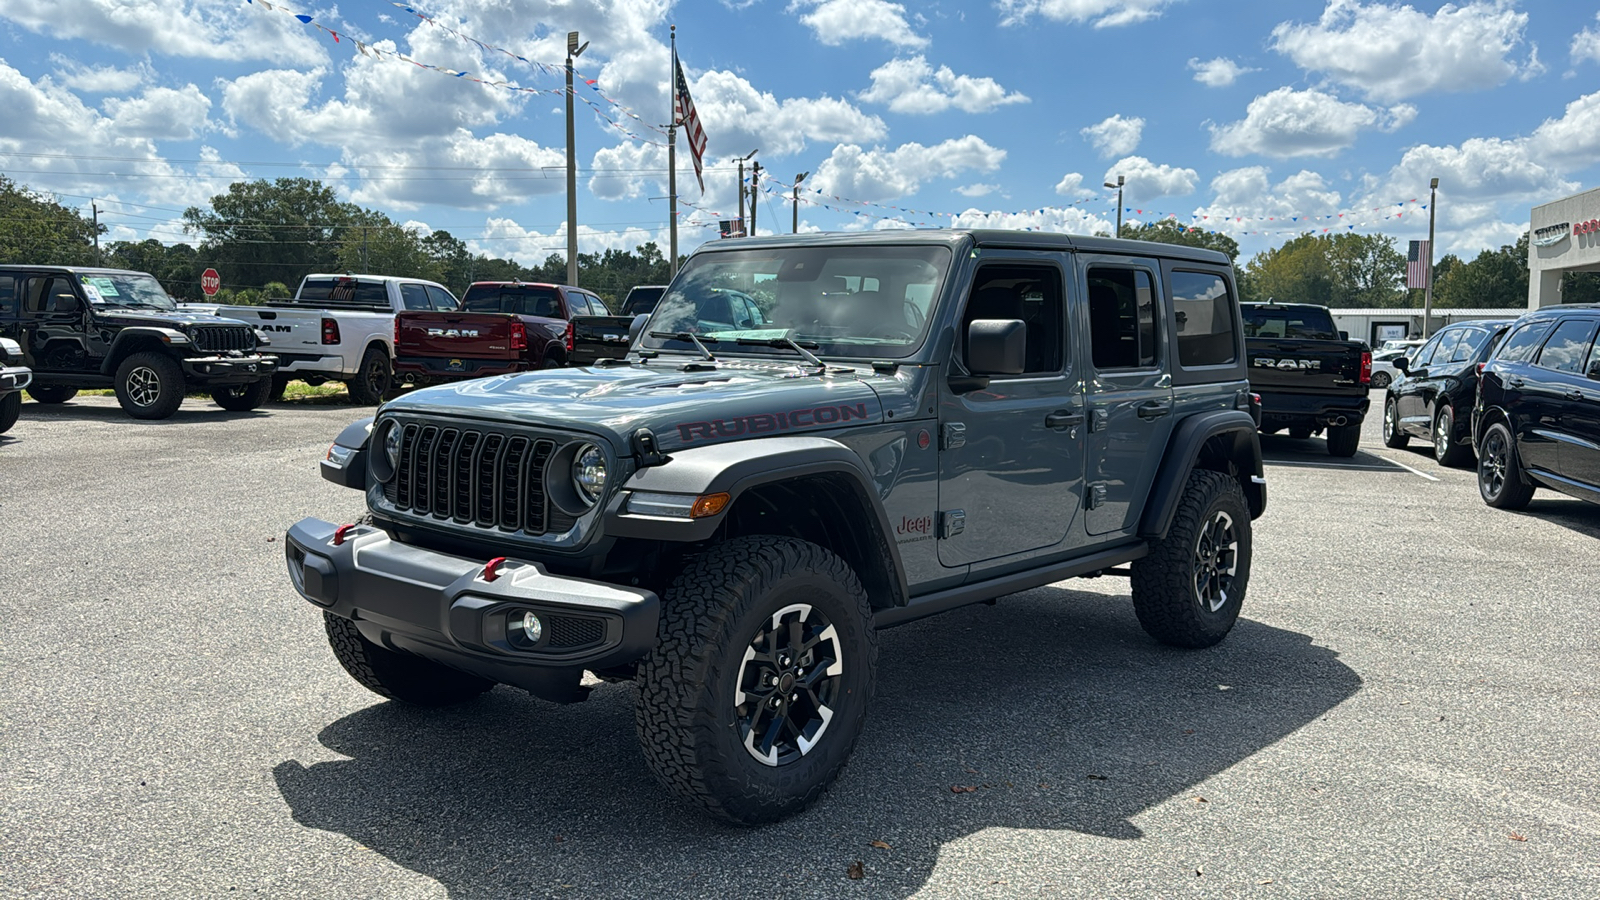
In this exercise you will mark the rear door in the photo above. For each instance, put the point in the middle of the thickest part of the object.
(1547, 386)
(1560, 371)
(1581, 458)
(1427, 380)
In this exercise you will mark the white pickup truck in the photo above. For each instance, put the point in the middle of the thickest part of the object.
(339, 328)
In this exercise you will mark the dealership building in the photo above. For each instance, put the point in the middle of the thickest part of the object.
(1564, 236)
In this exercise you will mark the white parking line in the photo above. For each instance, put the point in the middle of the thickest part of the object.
(1418, 472)
(1356, 467)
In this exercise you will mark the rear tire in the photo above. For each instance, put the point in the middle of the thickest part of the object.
(150, 385)
(243, 397)
(1380, 380)
(51, 395)
(1446, 450)
(1393, 437)
(1343, 440)
(1501, 483)
(398, 676)
(10, 409)
(280, 383)
(1188, 591)
(373, 379)
(757, 689)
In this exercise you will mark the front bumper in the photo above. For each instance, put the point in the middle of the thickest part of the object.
(15, 378)
(440, 607)
(1314, 410)
(228, 369)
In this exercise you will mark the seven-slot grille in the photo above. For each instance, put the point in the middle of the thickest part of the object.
(216, 338)
(472, 477)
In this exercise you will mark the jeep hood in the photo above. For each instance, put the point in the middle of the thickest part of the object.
(131, 318)
(735, 401)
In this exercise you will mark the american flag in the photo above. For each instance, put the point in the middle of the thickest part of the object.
(1419, 265)
(683, 114)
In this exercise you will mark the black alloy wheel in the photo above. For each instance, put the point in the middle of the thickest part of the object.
(1393, 437)
(1500, 479)
(1216, 561)
(789, 684)
(373, 379)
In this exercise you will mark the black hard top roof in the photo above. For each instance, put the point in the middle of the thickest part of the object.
(1545, 312)
(982, 237)
(76, 270)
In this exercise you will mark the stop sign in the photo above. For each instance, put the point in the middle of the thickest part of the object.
(210, 282)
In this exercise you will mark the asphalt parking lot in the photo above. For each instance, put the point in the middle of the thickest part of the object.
(1408, 707)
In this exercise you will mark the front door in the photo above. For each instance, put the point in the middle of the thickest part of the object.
(1130, 391)
(1011, 453)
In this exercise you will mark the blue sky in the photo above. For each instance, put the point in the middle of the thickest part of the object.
(1235, 115)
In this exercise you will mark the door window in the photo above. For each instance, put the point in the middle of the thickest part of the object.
(1203, 308)
(1122, 319)
(1448, 341)
(1472, 339)
(1030, 293)
(414, 296)
(441, 299)
(1426, 353)
(49, 293)
(597, 306)
(578, 303)
(1568, 346)
(1520, 345)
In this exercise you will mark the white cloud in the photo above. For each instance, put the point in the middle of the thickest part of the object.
(1287, 122)
(207, 29)
(1572, 142)
(838, 21)
(1249, 193)
(739, 118)
(1115, 136)
(161, 114)
(977, 190)
(912, 86)
(1147, 180)
(99, 79)
(887, 174)
(1586, 44)
(1219, 72)
(505, 237)
(1394, 52)
(1067, 220)
(1105, 13)
(1070, 185)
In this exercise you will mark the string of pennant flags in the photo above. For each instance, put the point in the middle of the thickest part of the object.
(366, 49)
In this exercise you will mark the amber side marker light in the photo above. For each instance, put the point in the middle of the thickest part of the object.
(708, 505)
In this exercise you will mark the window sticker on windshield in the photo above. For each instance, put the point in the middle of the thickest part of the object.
(754, 334)
(105, 286)
(93, 293)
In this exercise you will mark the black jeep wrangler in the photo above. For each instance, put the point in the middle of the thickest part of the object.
(111, 328)
(13, 378)
(925, 420)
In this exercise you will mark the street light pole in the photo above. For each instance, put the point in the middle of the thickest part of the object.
(797, 179)
(672, 160)
(1121, 180)
(573, 52)
(1427, 294)
(742, 161)
(755, 181)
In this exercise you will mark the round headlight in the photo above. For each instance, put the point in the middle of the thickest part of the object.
(386, 461)
(589, 473)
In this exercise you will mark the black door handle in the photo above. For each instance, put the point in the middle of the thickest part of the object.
(1514, 381)
(1574, 395)
(1063, 420)
(1155, 409)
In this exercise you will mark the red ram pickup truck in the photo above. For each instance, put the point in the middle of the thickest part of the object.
(502, 326)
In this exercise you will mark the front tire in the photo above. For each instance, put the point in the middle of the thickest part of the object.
(754, 696)
(51, 395)
(1188, 591)
(398, 676)
(1446, 450)
(1343, 440)
(373, 380)
(243, 397)
(10, 409)
(149, 385)
(1501, 483)
(1393, 437)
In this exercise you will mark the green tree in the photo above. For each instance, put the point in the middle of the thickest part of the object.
(177, 267)
(1168, 231)
(1367, 270)
(36, 229)
(1580, 287)
(1496, 279)
(1297, 271)
(282, 230)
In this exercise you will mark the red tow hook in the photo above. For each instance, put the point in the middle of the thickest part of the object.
(491, 569)
(340, 533)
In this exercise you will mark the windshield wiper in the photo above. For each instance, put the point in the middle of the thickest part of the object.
(782, 343)
(686, 336)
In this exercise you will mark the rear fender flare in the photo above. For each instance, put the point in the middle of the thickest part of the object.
(1242, 446)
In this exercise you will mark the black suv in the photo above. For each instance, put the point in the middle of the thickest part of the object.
(1433, 400)
(926, 419)
(112, 328)
(1537, 421)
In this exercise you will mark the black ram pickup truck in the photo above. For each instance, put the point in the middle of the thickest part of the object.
(1310, 378)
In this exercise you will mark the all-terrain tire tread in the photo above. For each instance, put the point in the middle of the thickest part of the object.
(676, 723)
(172, 385)
(1344, 440)
(255, 396)
(398, 676)
(1163, 581)
(10, 411)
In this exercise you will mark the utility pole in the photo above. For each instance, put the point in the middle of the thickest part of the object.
(94, 205)
(1121, 180)
(742, 159)
(1427, 295)
(364, 266)
(755, 181)
(573, 52)
(797, 179)
(672, 156)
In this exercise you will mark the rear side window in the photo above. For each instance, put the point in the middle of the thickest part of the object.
(441, 298)
(1203, 308)
(1122, 318)
(1472, 340)
(1448, 341)
(1520, 345)
(522, 301)
(1568, 346)
(597, 306)
(641, 300)
(414, 296)
(8, 295)
(579, 303)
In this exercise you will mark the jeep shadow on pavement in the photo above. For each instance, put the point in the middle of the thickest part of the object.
(714, 517)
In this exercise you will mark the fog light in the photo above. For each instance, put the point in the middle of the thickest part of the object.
(530, 626)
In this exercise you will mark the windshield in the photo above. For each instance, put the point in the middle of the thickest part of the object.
(1296, 322)
(126, 289)
(860, 302)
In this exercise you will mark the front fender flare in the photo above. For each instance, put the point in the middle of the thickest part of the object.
(1242, 448)
(140, 334)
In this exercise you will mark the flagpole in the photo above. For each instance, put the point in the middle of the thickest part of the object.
(672, 156)
(1427, 296)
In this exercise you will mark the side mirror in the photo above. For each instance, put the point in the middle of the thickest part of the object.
(636, 328)
(65, 304)
(1401, 363)
(1344, 335)
(997, 346)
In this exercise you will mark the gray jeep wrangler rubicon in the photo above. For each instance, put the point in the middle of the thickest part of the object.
(925, 420)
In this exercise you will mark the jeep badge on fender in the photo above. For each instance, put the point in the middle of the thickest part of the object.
(726, 516)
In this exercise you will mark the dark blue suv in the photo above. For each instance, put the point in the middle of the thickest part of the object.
(1537, 421)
